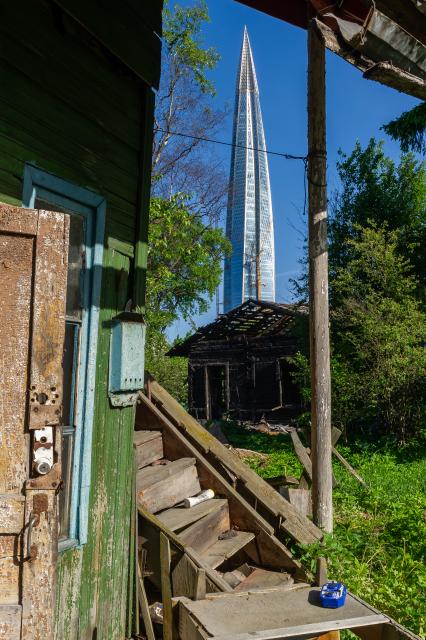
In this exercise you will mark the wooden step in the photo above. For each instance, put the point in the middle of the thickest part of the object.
(262, 579)
(205, 532)
(178, 518)
(149, 447)
(162, 486)
(222, 550)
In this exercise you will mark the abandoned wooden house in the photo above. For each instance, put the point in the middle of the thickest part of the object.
(240, 364)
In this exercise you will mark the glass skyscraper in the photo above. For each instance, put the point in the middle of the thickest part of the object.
(250, 270)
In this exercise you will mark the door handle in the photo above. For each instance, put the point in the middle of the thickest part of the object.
(34, 520)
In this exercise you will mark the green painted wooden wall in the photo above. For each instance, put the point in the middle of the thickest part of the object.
(71, 108)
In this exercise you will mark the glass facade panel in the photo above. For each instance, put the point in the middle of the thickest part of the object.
(250, 270)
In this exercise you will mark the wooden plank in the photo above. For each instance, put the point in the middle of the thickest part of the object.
(318, 286)
(168, 488)
(243, 515)
(188, 579)
(264, 579)
(166, 587)
(10, 621)
(309, 630)
(299, 498)
(301, 453)
(119, 33)
(48, 326)
(151, 475)
(178, 518)
(349, 467)
(272, 612)
(149, 447)
(224, 549)
(292, 523)
(143, 603)
(38, 583)
(212, 576)
(11, 513)
(205, 532)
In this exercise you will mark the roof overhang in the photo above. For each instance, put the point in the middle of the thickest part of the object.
(385, 39)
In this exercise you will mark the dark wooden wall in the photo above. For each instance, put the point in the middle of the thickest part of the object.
(72, 108)
(253, 373)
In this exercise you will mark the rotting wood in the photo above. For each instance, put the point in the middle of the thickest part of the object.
(212, 576)
(178, 518)
(299, 528)
(166, 587)
(167, 485)
(273, 552)
(10, 621)
(299, 498)
(302, 454)
(224, 549)
(144, 606)
(149, 447)
(205, 531)
(318, 286)
(188, 579)
(349, 467)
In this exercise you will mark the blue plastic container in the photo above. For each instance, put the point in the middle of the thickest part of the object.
(333, 595)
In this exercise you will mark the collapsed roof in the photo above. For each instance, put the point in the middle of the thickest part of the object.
(385, 39)
(253, 318)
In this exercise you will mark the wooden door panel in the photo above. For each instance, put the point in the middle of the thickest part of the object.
(33, 270)
(16, 277)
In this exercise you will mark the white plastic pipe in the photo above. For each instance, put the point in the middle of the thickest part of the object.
(208, 494)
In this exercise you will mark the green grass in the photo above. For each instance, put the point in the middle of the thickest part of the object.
(378, 548)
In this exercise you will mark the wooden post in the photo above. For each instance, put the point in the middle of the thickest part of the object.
(318, 286)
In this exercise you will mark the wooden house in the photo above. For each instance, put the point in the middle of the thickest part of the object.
(240, 364)
(77, 83)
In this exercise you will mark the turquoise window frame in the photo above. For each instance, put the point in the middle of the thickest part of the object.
(82, 201)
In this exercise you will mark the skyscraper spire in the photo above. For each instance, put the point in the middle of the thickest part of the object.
(250, 270)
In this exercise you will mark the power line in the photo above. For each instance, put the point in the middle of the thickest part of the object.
(287, 156)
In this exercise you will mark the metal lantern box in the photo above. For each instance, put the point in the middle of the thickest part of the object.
(127, 358)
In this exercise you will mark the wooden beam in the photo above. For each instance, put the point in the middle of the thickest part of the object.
(318, 286)
(166, 587)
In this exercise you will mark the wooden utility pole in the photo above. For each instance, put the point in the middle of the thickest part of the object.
(318, 285)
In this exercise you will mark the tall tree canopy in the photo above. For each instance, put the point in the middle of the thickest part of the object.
(409, 129)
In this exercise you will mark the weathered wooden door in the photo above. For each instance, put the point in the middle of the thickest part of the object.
(33, 271)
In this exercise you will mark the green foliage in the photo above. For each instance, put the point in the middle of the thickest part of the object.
(409, 129)
(379, 543)
(184, 262)
(171, 373)
(378, 332)
(281, 459)
(182, 34)
(376, 190)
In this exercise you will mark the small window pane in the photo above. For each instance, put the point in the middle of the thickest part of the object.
(69, 365)
(65, 492)
(75, 267)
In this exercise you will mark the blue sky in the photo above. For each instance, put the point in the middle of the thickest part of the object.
(356, 108)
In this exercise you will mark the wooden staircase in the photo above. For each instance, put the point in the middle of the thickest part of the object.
(222, 569)
(207, 529)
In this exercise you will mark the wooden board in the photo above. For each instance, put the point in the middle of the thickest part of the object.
(10, 621)
(243, 515)
(273, 505)
(263, 613)
(11, 513)
(262, 579)
(178, 518)
(224, 549)
(188, 579)
(299, 498)
(203, 533)
(149, 447)
(164, 490)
